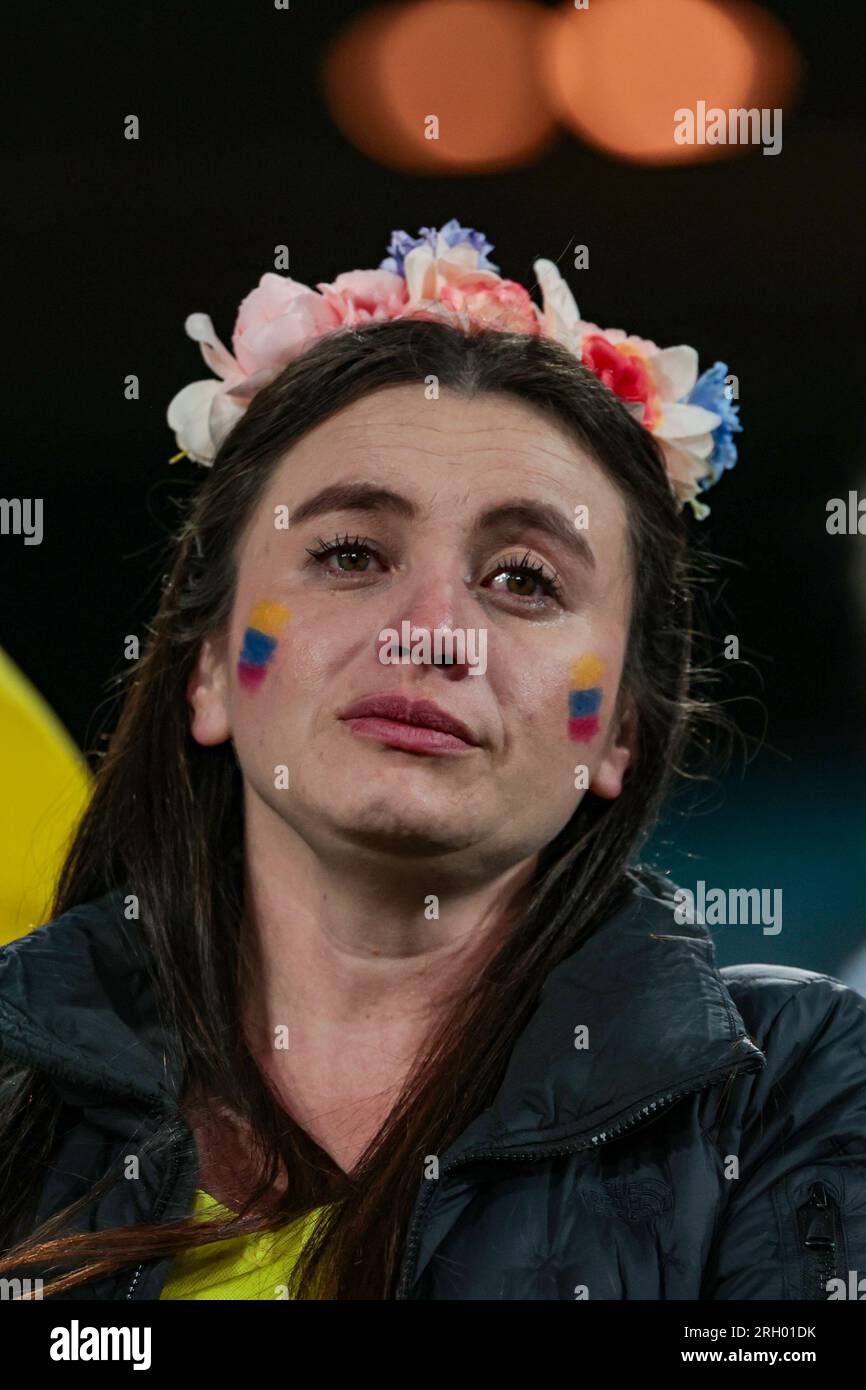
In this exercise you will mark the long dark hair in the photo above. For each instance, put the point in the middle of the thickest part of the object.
(165, 824)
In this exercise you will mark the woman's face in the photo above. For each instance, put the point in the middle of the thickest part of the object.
(479, 517)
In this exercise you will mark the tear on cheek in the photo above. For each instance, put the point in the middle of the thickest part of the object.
(584, 698)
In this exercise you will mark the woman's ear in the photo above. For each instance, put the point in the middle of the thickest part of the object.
(207, 693)
(620, 753)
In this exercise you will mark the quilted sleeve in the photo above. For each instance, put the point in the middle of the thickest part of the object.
(793, 1224)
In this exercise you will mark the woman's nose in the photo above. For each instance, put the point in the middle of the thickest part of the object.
(433, 598)
(436, 602)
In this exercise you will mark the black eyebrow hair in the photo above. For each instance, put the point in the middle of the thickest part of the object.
(354, 497)
(522, 512)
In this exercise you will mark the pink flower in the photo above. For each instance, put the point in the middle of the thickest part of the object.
(506, 307)
(451, 279)
(277, 320)
(362, 296)
(275, 323)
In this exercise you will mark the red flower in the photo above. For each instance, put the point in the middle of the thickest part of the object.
(623, 371)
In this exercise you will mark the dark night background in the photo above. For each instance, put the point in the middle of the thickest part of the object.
(755, 261)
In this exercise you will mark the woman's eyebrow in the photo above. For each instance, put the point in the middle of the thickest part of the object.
(520, 514)
(354, 497)
(525, 514)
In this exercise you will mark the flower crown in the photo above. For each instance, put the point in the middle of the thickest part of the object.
(446, 272)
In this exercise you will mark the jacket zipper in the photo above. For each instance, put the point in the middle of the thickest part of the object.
(661, 1102)
(162, 1203)
(818, 1234)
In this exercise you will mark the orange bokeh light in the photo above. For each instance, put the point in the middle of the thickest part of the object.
(471, 64)
(617, 71)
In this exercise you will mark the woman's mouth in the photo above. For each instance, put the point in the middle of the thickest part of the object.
(415, 726)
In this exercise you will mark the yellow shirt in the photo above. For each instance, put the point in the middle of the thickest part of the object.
(240, 1267)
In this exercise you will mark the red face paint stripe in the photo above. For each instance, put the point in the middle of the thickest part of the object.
(581, 730)
(249, 676)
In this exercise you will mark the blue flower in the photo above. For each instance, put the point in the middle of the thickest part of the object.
(402, 243)
(711, 392)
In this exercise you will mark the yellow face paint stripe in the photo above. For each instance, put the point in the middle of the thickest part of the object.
(269, 617)
(586, 670)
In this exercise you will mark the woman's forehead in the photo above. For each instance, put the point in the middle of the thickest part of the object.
(403, 417)
(451, 451)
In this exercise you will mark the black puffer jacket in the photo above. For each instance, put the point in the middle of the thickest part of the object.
(709, 1141)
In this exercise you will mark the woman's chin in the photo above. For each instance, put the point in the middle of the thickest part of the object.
(406, 831)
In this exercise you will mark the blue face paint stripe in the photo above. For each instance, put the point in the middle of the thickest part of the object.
(583, 702)
(258, 647)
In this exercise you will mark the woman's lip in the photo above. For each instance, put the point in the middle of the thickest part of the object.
(411, 738)
(399, 709)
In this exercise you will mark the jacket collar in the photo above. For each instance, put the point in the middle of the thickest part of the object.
(638, 1014)
(655, 1019)
(77, 999)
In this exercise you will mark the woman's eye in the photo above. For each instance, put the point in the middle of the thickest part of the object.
(351, 560)
(350, 556)
(524, 585)
(526, 579)
(523, 577)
